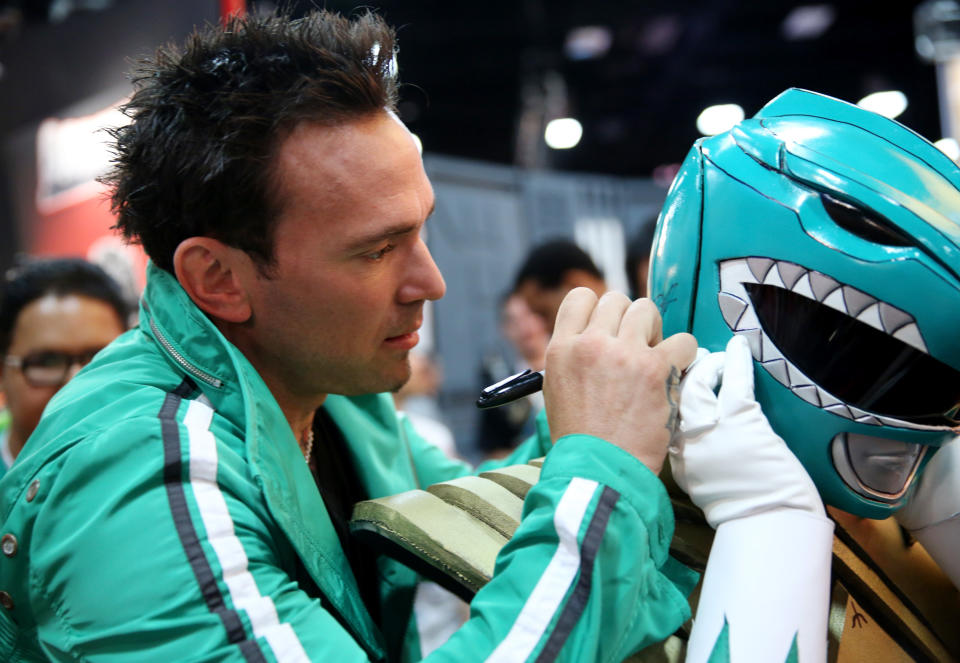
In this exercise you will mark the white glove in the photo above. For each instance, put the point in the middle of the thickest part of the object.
(768, 575)
(932, 513)
(725, 455)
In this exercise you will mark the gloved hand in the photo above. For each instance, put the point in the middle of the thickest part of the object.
(725, 455)
(932, 513)
(767, 580)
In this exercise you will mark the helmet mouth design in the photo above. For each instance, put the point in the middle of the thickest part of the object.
(837, 347)
(877, 468)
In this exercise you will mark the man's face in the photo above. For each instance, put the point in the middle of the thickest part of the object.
(524, 329)
(46, 327)
(339, 311)
(545, 302)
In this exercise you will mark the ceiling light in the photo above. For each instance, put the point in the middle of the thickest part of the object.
(949, 146)
(717, 119)
(588, 43)
(563, 133)
(889, 103)
(807, 22)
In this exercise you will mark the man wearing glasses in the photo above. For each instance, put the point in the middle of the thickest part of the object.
(55, 315)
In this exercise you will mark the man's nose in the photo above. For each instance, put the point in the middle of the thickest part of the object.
(424, 279)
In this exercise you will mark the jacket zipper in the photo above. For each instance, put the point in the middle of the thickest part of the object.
(187, 366)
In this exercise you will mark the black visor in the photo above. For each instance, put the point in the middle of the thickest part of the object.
(860, 365)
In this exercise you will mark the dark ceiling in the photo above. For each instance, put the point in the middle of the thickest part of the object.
(466, 63)
(474, 70)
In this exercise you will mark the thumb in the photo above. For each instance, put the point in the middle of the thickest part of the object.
(698, 403)
(737, 389)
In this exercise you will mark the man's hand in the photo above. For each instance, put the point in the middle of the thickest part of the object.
(610, 373)
(725, 455)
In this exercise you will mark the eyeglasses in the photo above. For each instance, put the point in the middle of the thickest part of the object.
(49, 369)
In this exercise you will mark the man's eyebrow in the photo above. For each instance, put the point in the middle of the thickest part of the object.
(390, 232)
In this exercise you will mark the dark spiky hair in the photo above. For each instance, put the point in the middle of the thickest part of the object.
(206, 120)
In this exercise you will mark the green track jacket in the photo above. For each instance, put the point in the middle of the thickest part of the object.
(162, 511)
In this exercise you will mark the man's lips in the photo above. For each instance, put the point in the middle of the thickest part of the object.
(405, 340)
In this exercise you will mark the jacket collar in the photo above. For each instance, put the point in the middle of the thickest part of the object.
(194, 344)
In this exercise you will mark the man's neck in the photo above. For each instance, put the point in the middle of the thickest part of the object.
(298, 408)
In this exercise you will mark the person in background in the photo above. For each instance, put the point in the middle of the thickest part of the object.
(55, 315)
(550, 271)
(637, 262)
(503, 428)
(417, 401)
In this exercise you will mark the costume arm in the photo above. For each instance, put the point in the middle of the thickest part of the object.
(765, 593)
(932, 514)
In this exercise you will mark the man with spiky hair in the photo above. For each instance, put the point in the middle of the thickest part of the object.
(187, 497)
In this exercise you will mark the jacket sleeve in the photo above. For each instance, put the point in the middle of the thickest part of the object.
(586, 576)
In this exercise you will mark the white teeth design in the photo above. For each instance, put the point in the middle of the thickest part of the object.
(857, 412)
(822, 285)
(790, 273)
(759, 267)
(740, 316)
(835, 300)
(769, 352)
(748, 320)
(857, 301)
(841, 410)
(732, 308)
(871, 316)
(773, 278)
(778, 369)
(802, 287)
(809, 393)
(910, 335)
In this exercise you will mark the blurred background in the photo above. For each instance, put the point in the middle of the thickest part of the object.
(537, 118)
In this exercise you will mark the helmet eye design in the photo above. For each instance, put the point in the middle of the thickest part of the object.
(837, 347)
(863, 223)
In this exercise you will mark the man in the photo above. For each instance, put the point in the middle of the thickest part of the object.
(186, 497)
(55, 315)
(637, 261)
(550, 271)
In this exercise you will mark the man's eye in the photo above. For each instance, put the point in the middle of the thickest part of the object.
(377, 255)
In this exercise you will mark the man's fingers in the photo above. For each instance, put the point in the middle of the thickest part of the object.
(641, 323)
(574, 312)
(679, 350)
(607, 315)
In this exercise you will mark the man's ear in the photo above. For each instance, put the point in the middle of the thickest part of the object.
(211, 273)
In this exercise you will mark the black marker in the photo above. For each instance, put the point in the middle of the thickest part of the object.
(510, 389)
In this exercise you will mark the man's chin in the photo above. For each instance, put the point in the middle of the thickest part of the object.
(385, 381)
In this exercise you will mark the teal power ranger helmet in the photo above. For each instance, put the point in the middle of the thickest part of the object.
(829, 237)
